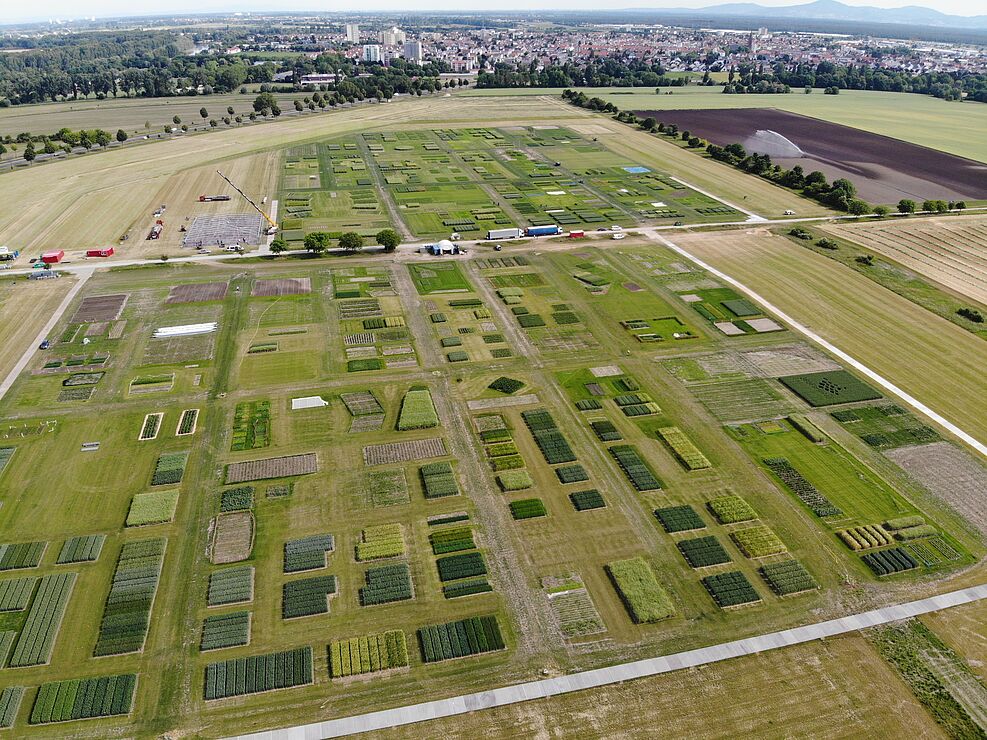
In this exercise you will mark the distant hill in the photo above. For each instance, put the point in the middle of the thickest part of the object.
(912, 15)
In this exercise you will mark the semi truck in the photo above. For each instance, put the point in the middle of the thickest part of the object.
(104, 252)
(54, 257)
(211, 198)
(505, 234)
(543, 230)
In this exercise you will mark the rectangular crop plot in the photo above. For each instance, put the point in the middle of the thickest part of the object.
(731, 509)
(438, 480)
(281, 287)
(637, 470)
(383, 651)
(169, 469)
(43, 621)
(549, 438)
(788, 577)
(272, 467)
(361, 403)
(10, 704)
(587, 500)
(15, 594)
(196, 292)
(453, 539)
(888, 562)
(127, 614)
(381, 541)
(84, 698)
(466, 565)
(802, 488)
(577, 613)
(306, 597)
(21, 555)
(154, 507)
(417, 410)
(387, 487)
(231, 586)
(646, 601)
(307, 553)
(5, 454)
(731, 589)
(256, 673)
(466, 637)
(84, 549)
(702, 552)
(100, 308)
(439, 277)
(528, 508)
(684, 449)
(233, 537)
(225, 630)
(251, 425)
(385, 584)
(830, 387)
(758, 542)
(679, 519)
(398, 452)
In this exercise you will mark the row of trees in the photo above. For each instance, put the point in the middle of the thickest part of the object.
(318, 242)
(781, 77)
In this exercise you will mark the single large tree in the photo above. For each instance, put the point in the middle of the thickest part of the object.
(388, 239)
(317, 242)
(351, 241)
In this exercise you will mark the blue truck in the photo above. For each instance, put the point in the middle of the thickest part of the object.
(552, 230)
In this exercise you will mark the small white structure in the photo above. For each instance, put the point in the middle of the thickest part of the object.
(186, 330)
(442, 247)
(308, 402)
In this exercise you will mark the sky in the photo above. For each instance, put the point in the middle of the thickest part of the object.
(11, 11)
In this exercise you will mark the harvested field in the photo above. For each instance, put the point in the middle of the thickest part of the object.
(272, 467)
(232, 537)
(195, 292)
(224, 230)
(484, 404)
(100, 308)
(795, 360)
(741, 400)
(883, 169)
(949, 251)
(950, 474)
(397, 452)
(281, 286)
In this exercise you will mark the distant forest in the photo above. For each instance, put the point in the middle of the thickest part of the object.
(156, 64)
(614, 72)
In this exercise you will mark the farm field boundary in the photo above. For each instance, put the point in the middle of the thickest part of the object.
(624, 672)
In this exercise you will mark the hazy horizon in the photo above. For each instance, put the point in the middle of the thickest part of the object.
(65, 10)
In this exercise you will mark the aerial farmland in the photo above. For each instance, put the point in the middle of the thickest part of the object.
(243, 492)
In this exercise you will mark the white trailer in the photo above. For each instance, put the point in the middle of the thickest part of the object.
(504, 234)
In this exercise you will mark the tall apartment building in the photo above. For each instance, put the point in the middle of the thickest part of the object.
(412, 51)
(393, 37)
(353, 33)
(371, 53)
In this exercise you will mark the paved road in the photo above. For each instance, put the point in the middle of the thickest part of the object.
(833, 349)
(617, 674)
(82, 276)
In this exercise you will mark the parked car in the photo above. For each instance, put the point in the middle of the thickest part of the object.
(44, 345)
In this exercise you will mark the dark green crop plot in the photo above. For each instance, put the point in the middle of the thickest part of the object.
(703, 552)
(466, 565)
(788, 577)
(83, 698)
(127, 615)
(829, 387)
(307, 553)
(307, 596)
(459, 639)
(386, 583)
(679, 519)
(225, 630)
(731, 589)
(528, 508)
(587, 500)
(256, 673)
(637, 470)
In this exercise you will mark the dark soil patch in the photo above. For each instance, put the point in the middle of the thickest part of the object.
(196, 292)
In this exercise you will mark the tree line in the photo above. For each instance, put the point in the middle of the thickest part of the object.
(781, 77)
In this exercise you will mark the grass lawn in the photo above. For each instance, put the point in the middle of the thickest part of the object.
(439, 277)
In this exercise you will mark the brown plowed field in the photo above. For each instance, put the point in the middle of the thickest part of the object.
(884, 170)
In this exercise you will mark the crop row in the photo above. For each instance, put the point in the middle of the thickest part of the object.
(84, 698)
(684, 448)
(368, 654)
(730, 589)
(85, 549)
(865, 537)
(231, 586)
(256, 673)
(417, 410)
(307, 596)
(788, 577)
(150, 427)
(465, 565)
(386, 583)
(381, 541)
(646, 601)
(702, 552)
(638, 472)
(126, 616)
(886, 562)
(452, 540)
(797, 484)
(225, 630)
(466, 588)
(438, 480)
(679, 519)
(43, 621)
(549, 438)
(307, 553)
(731, 509)
(169, 469)
(10, 704)
(459, 639)
(15, 594)
(21, 555)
